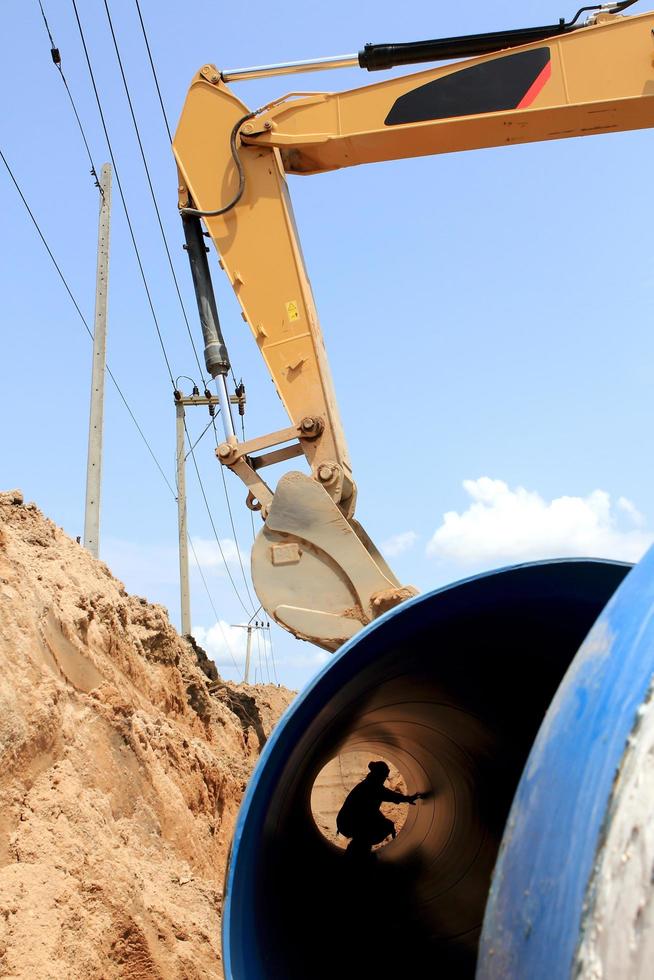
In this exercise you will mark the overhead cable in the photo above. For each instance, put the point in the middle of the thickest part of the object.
(272, 652)
(147, 290)
(165, 118)
(56, 59)
(84, 321)
(152, 194)
(118, 389)
(211, 602)
(122, 196)
(231, 519)
(213, 526)
(199, 438)
(262, 660)
(154, 73)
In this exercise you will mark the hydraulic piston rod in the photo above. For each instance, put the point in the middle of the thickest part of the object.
(215, 351)
(377, 57)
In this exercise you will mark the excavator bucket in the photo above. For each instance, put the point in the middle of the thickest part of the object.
(317, 573)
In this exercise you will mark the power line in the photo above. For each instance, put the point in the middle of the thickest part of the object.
(47, 27)
(165, 118)
(154, 199)
(191, 452)
(122, 195)
(265, 652)
(83, 319)
(261, 681)
(154, 73)
(119, 390)
(163, 110)
(231, 520)
(200, 437)
(272, 652)
(56, 58)
(254, 533)
(218, 621)
(213, 525)
(172, 269)
(142, 271)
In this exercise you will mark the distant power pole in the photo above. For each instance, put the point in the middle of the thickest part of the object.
(248, 651)
(250, 627)
(185, 592)
(94, 459)
(182, 401)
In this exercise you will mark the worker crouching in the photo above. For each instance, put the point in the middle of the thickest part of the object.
(360, 818)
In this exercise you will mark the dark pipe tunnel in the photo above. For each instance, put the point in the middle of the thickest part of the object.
(451, 688)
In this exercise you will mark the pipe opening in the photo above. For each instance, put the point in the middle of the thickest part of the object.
(450, 689)
(341, 774)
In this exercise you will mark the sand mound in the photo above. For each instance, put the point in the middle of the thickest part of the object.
(122, 765)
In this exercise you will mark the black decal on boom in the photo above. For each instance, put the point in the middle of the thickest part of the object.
(493, 86)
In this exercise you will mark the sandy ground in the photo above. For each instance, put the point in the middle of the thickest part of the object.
(122, 765)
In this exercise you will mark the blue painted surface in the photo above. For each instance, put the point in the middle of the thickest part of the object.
(534, 915)
(247, 941)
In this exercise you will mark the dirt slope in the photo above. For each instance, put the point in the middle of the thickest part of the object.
(122, 765)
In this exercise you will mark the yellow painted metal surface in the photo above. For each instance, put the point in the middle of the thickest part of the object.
(602, 80)
(259, 250)
(315, 570)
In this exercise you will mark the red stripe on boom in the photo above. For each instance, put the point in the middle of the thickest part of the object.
(537, 87)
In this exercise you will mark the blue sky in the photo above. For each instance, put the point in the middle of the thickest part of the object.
(487, 315)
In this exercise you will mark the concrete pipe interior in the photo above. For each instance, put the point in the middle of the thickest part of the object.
(450, 689)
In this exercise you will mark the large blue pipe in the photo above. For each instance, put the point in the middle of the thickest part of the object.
(571, 893)
(451, 687)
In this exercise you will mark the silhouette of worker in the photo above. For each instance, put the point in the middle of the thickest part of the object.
(360, 818)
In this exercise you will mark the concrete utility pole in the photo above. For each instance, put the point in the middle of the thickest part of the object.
(185, 593)
(181, 401)
(250, 627)
(248, 650)
(94, 459)
(212, 402)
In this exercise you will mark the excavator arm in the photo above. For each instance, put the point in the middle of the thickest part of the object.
(315, 570)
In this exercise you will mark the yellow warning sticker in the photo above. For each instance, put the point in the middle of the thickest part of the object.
(293, 310)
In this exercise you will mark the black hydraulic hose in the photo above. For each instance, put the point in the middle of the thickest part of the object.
(617, 9)
(376, 57)
(194, 212)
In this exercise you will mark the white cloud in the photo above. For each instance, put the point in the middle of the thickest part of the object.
(399, 543)
(506, 525)
(209, 556)
(628, 508)
(225, 644)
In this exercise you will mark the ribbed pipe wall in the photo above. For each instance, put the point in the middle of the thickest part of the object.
(451, 688)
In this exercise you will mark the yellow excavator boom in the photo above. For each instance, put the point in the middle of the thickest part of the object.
(315, 570)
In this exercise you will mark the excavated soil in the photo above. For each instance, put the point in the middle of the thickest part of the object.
(123, 760)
